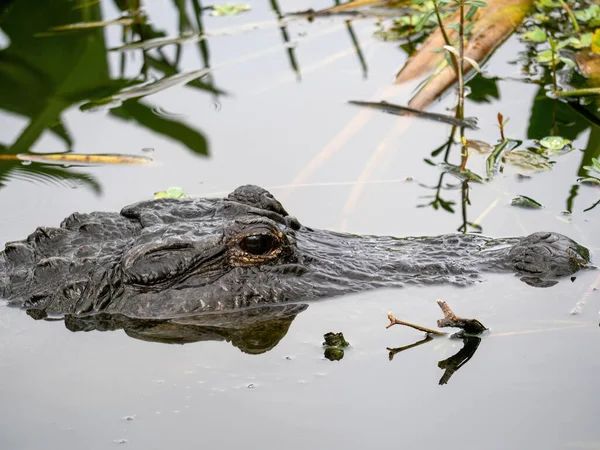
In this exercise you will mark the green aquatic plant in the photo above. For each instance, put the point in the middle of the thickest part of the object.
(229, 9)
(593, 173)
(172, 192)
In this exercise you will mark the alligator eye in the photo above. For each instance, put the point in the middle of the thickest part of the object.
(258, 244)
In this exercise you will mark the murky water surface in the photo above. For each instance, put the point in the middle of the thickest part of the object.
(286, 125)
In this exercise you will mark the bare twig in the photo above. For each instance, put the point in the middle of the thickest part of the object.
(471, 326)
(394, 321)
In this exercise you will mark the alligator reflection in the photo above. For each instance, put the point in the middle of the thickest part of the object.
(253, 330)
(449, 365)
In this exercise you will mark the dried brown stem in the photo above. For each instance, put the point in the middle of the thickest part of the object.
(471, 326)
(394, 321)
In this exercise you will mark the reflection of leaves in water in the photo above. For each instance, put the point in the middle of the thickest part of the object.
(550, 117)
(40, 77)
(47, 174)
(143, 115)
(483, 90)
(37, 75)
(527, 160)
(142, 90)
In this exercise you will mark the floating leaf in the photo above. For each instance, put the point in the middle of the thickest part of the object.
(536, 35)
(523, 201)
(555, 143)
(527, 160)
(588, 14)
(229, 9)
(582, 41)
(172, 192)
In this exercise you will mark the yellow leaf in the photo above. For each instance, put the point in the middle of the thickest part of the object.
(596, 41)
(83, 159)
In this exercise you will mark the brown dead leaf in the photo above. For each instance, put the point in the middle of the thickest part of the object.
(492, 26)
(589, 64)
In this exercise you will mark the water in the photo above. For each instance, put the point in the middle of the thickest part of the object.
(531, 382)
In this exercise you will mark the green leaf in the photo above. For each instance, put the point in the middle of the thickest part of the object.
(549, 4)
(583, 41)
(423, 21)
(471, 12)
(476, 3)
(523, 201)
(172, 192)
(554, 142)
(588, 14)
(536, 35)
(229, 9)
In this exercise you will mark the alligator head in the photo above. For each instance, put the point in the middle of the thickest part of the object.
(171, 257)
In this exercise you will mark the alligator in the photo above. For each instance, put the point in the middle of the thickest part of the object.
(171, 258)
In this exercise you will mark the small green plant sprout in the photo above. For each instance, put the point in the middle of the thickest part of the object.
(501, 124)
(593, 173)
(229, 9)
(172, 192)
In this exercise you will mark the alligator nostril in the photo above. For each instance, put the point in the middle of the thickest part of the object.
(292, 222)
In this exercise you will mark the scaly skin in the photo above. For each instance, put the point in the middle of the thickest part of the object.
(167, 258)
